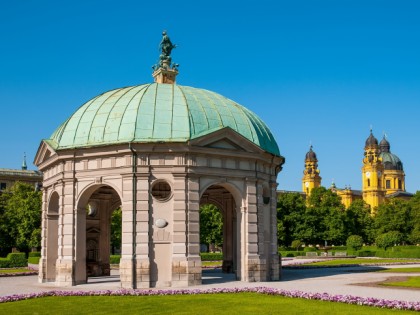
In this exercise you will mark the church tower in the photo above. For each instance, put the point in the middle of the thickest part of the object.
(393, 177)
(372, 173)
(311, 178)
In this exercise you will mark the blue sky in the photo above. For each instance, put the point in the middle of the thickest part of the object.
(315, 71)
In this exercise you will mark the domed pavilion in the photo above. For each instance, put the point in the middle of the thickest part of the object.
(158, 151)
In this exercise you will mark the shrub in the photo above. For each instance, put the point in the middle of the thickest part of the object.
(291, 253)
(310, 249)
(211, 256)
(4, 263)
(354, 242)
(34, 254)
(388, 239)
(365, 253)
(16, 260)
(296, 244)
(114, 259)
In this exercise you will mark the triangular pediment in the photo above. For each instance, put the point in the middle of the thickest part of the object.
(44, 153)
(226, 139)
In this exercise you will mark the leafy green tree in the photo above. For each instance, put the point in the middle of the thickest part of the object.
(354, 242)
(21, 216)
(211, 225)
(394, 215)
(388, 239)
(414, 202)
(358, 221)
(290, 210)
(296, 244)
(116, 230)
(326, 215)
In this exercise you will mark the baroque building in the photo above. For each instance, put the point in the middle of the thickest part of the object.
(159, 151)
(383, 175)
(9, 176)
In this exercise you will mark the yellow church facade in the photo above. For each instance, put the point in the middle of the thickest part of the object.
(383, 175)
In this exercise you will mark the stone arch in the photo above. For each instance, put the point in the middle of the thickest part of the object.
(52, 215)
(93, 230)
(227, 198)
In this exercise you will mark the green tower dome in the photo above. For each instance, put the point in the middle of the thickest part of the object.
(158, 112)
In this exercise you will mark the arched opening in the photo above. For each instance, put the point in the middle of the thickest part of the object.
(218, 205)
(97, 222)
(52, 236)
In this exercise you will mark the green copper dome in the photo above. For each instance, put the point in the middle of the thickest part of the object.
(155, 113)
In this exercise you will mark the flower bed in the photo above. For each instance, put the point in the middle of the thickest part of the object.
(349, 299)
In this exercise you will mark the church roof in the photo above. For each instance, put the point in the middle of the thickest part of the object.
(158, 113)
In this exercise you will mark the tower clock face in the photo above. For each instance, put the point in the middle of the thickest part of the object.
(306, 184)
(367, 174)
(379, 174)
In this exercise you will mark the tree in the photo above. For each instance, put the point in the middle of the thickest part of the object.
(354, 242)
(21, 216)
(388, 239)
(394, 215)
(326, 213)
(359, 221)
(296, 244)
(116, 230)
(211, 225)
(414, 202)
(290, 210)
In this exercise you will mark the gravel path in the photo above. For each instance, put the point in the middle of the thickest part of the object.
(345, 281)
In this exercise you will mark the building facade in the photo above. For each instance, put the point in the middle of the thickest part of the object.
(382, 175)
(10, 176)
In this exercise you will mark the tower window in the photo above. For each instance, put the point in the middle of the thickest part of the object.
(388, 184)
(368, 182)
(399, 184)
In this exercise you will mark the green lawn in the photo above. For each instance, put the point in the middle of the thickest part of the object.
(239, 303)
(402, 270)
(15, 270)
(210, 263)
(353, 261)
(411, 282)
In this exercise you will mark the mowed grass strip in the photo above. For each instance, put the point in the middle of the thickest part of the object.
(211, 263)
(16, 270)
(226, 303)
(359, 261)
(411, 282)
(402, 270)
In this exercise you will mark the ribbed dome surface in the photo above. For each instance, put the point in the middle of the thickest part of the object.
(310, 155)
(391, 161)
(371, 141)
(158, 113)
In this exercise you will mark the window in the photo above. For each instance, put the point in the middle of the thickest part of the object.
(161, 190)
(388, 184)
(399, 184)
(368, 182)
(2, 186)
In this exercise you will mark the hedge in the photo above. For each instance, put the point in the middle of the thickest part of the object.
(34, 254)
(211, 256)
(14, 260)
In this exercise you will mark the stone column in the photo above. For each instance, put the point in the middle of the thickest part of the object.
(274, 263)
(66, 235)
(254, 264)
(143, 228)
(42, 272)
